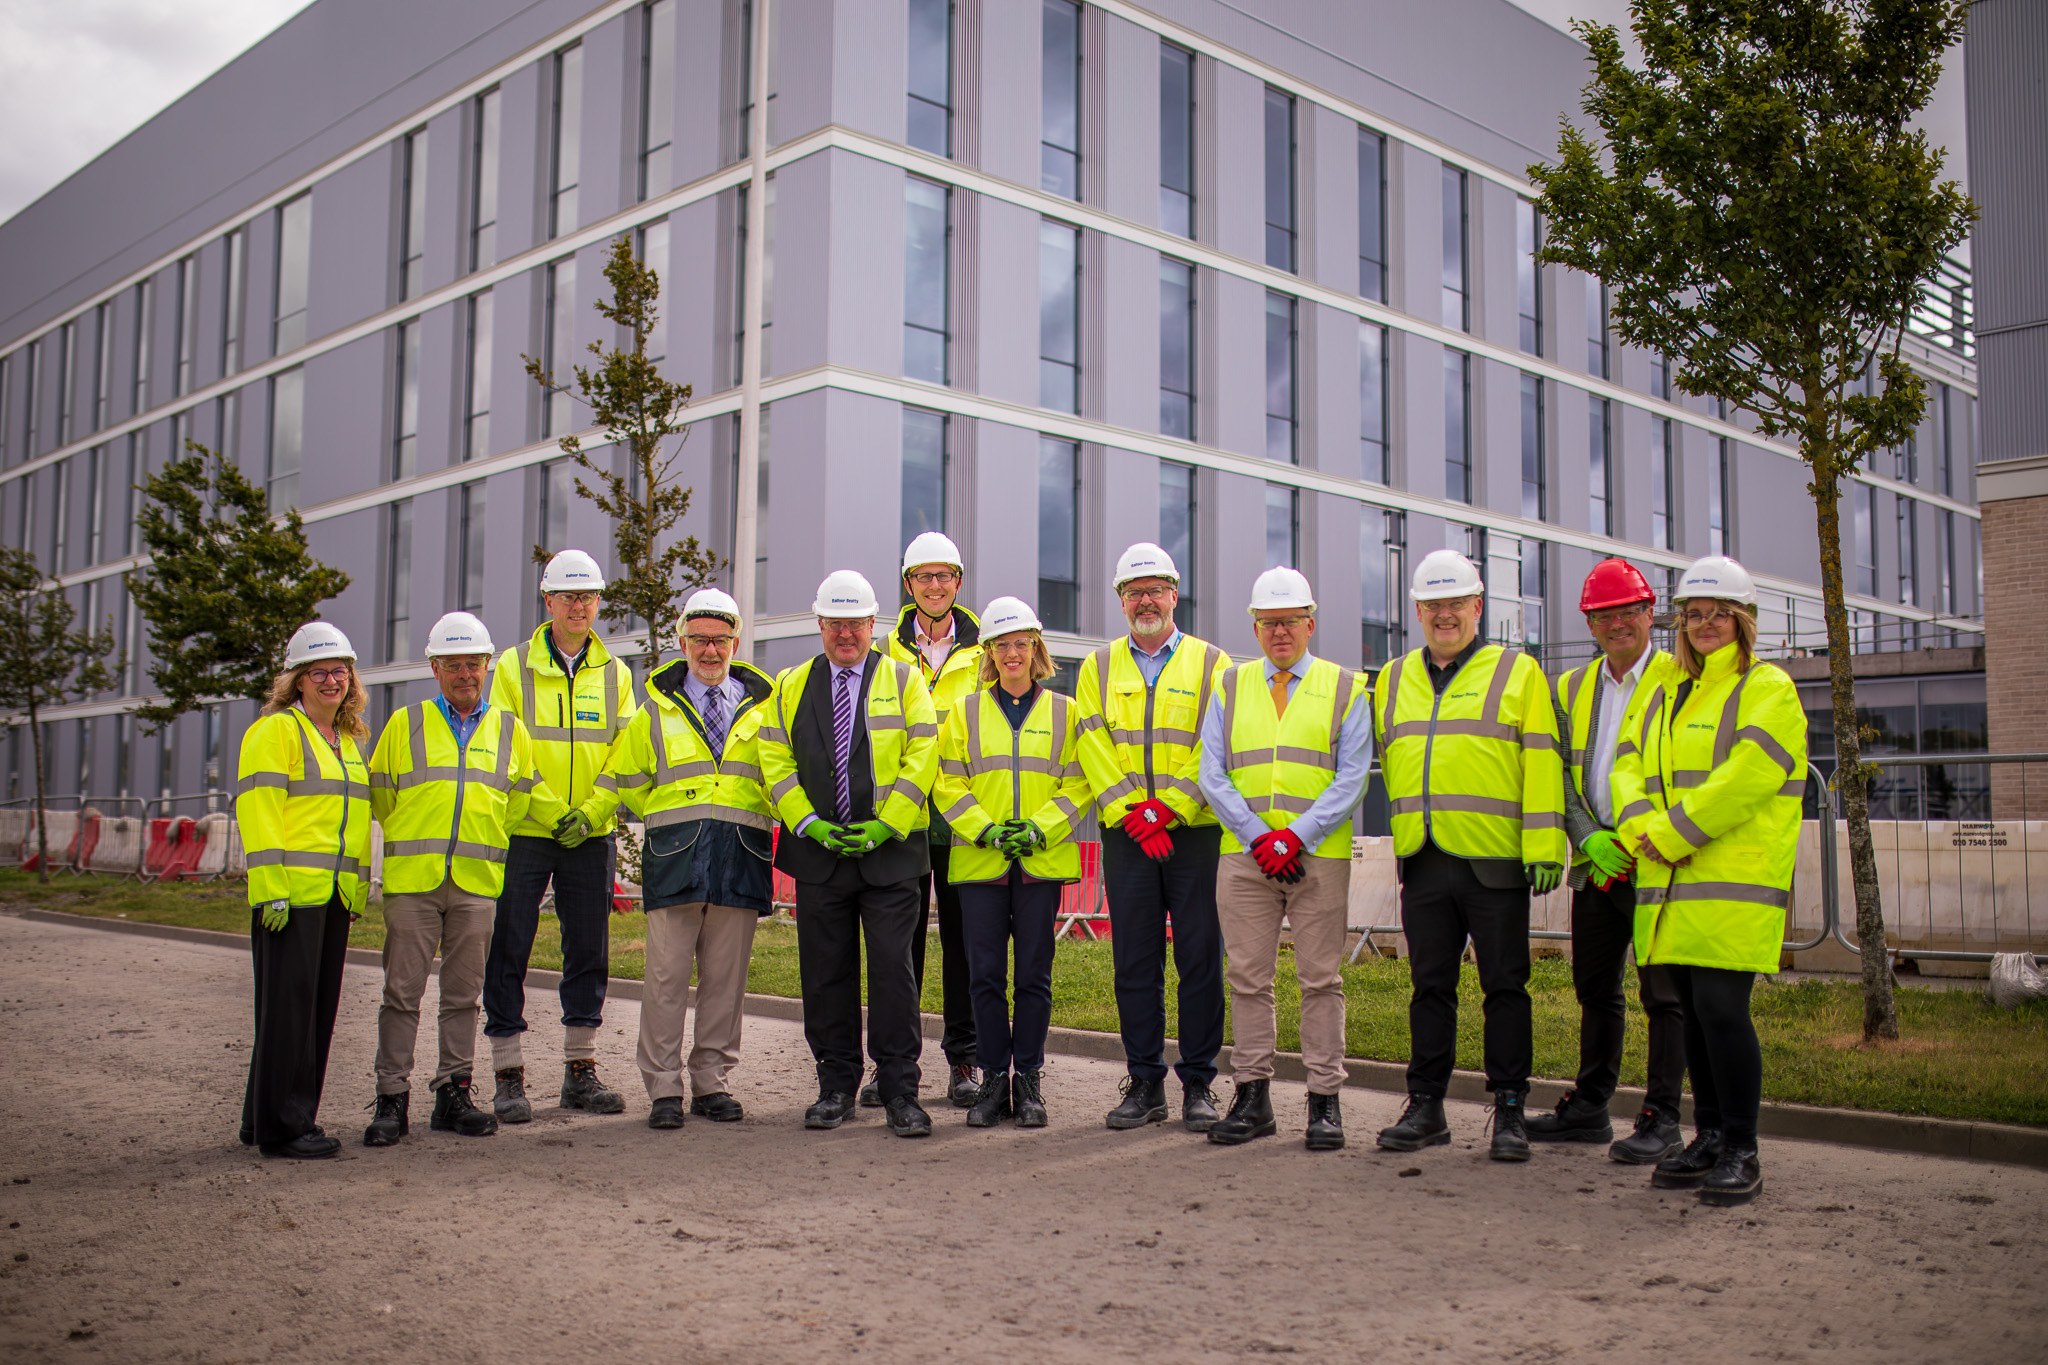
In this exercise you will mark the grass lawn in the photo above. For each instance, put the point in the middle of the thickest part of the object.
(1958, 1057)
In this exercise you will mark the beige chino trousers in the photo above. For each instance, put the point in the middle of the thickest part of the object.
(719, 941)
(1250, 907)
(457, 923)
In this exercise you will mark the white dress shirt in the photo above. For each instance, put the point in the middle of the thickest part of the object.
(1614, 699)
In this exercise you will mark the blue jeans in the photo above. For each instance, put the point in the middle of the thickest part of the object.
(992, 914)
(583, 903)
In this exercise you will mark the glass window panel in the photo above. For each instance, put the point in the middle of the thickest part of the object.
(1457, 426)
(1058, 538)
(476, 426)
(1372, 215)
(1279, 179)
(1060, 100)
(1176, 348)
(925, 214)
(1534, 484)
(1455, 308)
(657, 96)
(1601, 511)
(567, 143)
(1177, 533)
(483, 186)
(1176, 140)
(929, 107)
(294, 265)
(287, 432)
(1529, 276)
(405, 438)
(398, 585)
(1283, 526)
(1281, 388)
(1372, 403)
(924, 472)
(558, 414)
(1058, 316)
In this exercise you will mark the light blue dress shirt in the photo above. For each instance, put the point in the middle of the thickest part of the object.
(463, 727)
(730, 695)
(1152, 665)
(1338, 800)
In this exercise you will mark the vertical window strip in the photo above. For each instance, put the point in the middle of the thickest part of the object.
(469, 544)
(1374, 465)
(412, 216)
(483, 180)
(1600, 519)
(1059, 501)
(67, 380)
(1909, 552)
(565, 143)
(1176, 348)
(145, 300)
(927, 245)
(406, 411)
(925, 469)
(1283, 526)
(1280, 179)
(185, 333)
(559, 337)
(1660, 487)
(1060, 99)
(657, 96)
(1177, 533)
(1283, 427)
(928, 100)
(1059, 316)
(476, 420)
(1382, 578)
(1529, 275)
(232, 248)
(557, 490)
(1717, 502)
(1535, 483)
(1176, 140)
(651, 245)
(294, 267)
(1372, 215)
(1457, 307)
(398, 585)
(1457, 426)
(287, 435)
(1596, 328)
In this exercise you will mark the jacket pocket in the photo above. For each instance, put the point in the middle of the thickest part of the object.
(759, 842)
(668, 841)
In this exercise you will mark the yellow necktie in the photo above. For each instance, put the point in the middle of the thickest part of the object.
(1279, 689)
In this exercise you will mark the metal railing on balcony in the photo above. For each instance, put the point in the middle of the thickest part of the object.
(1944, 315)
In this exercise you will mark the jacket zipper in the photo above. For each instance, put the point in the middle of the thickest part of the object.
(1150, 690)
(1429, 752)
(461, 781)
(1016, 772)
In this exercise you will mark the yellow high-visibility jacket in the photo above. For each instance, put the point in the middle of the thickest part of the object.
(1138, 741)
(1581, 695)
(953, 680)
(448, 812)
(1475, 769)
(304, 813)
(990, 772)
(663, 770)
(1283, 763)
(572, 728)
(1718, 781)
(902, 739)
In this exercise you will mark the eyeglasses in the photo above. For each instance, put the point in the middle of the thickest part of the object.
(1159, 594)
(1272, 623)
(1449, 605)
(938, 578)
(700, 641)
(1010, 646)
(1600, 620)
(460, 665)
(835, 625)
(1707, 618)
(323, 676)
(581, 599)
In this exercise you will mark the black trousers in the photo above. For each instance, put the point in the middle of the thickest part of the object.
(298, 991)
(1144, 897)
(1721, 1050)
(583, 906)
(995, 914)
(1442, 904)
(833, 918)
(1603, 928)
(956, 993)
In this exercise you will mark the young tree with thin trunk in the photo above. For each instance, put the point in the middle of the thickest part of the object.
(638, 410)
(44, 662)
(1763, 214)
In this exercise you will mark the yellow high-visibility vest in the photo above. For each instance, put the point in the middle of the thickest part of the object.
(1576, 690)
(448, 812)
(1718, 781)
(303, 813)
(572, 725)
(1138, 741)
(663, 770)
(1475, 769)
(1281, 764)
(990, 772)
(903, 746)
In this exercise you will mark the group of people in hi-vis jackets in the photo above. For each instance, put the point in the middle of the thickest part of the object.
(934, 768)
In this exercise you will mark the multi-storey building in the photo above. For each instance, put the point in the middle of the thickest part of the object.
(1257, 282)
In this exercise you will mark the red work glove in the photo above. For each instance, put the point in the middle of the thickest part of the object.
(1278, 853)
(1147, 817)
(1156, 844)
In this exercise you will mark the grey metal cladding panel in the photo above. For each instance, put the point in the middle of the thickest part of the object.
(2006, 54)
(1774, 518)
(334, 74)
(345, 434)
(2014, 414)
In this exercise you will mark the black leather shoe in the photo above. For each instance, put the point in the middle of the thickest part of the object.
(1250, 1116)
(1575, 1120)
(1144, 1102)
(247, 1137)
(718, 1106)
(964, 1088)
(1654, 1139)
(666, 1112)
(391, 1122)
(510, 1103)
(581, 1089)
(830, 1110)
(1026, 1099)
(1325, 1123)
(1510, 1126)
(1737, 1178)
(1198, 1113)
(313, 1146)
(1422, 1124)
(456, 1112)
(871, 1094)
(907, 1117)
(1689, 1169)
(991, 1099)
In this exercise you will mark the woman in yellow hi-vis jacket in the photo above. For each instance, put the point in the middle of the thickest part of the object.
(1708, 783)
(1012, 787)
(304, 813)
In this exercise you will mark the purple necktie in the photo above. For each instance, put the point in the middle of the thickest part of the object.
(714, 719)
(842, 740)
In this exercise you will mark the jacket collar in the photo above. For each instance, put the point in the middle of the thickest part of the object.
(966, 630)
(540, 654)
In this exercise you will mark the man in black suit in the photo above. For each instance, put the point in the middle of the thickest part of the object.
(849, 750)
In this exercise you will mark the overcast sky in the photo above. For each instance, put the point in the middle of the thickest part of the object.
(78, 75)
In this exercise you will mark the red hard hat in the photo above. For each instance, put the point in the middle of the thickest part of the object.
(1614, 583)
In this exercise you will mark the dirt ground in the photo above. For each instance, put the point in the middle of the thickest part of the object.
(136, 1229)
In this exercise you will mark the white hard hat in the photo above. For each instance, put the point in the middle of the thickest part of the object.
(1006, 614)
(1281, 587)
(317, 640)
(1145, 560)
(458, 633)
(1442, 574)
(1717, 576)
(932, 547)
(845, 595)
(572, 571)
(709, 602)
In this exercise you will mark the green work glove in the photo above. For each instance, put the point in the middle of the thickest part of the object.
(572, 829)
(1608, 856)
(1543, 877)
(1021, 837)
(276, 914)
(990, 837)
(865, 837)
(826, 833)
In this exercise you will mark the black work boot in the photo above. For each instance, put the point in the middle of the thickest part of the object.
(1510, 1126)
(1325, 1123)
(991, 1100)
(1655, 1138)
(1737, 1178)
(1144, 1102)
(871, 1093)
(1689, 1169)
(456, 1112)
(581, 1089)
(1576, 1120)
(1422, 1124)
(391, 1122)
(962, 1087)
(666, 1112)
(1250, 1116)
(510, 1103)
(1197, 1107)
(1027, 1099)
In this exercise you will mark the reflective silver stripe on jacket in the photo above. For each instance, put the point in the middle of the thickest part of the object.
(678, 815)
(441, 848)
(319, 862)
(1745, 892)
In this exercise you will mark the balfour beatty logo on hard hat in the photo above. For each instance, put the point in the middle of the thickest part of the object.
(315, 646)
(1437, 582)
(843, 601)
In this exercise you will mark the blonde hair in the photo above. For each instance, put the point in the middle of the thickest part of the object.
(1745, 639)
(1041, 662)
(348, 718)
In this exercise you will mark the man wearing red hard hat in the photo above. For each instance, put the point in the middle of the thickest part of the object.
(1593, 704)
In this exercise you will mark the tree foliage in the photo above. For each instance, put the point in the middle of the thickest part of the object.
(226, 586)
(1763, 213)
(43, 661)
(638, 410)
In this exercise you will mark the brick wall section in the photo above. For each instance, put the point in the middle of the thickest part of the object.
(2016, 651)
